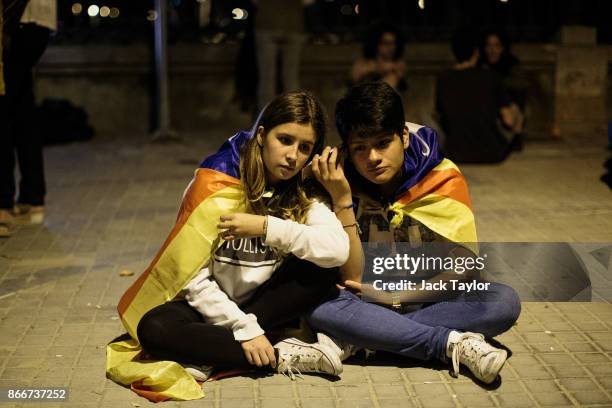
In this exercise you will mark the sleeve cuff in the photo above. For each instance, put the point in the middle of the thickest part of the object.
(274, 231)
(247, 328)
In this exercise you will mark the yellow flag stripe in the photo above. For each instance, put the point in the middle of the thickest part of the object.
(446, 165)
(185, 256)
(162, 379)
(447, 217)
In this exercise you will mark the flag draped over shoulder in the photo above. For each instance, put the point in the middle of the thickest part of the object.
(215, 190)
(435, 192)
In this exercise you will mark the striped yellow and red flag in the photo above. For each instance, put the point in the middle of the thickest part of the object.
(215, 190)
(435, 191)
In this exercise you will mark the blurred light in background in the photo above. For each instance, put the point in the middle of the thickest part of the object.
(77, 8)
(93, 10)
(421, 20)
(104, 11)
(151, 15)
(240, 14)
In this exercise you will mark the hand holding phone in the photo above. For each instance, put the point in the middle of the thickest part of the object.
(328, 168)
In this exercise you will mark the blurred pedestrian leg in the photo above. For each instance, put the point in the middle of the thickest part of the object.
(278, 35)
(266, 48)
(20, 134)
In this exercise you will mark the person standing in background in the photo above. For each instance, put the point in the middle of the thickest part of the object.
(24, 44)
(279, 31)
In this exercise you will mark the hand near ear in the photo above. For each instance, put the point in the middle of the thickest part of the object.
(329, 171)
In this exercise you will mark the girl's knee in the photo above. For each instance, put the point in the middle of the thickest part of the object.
(149, 330)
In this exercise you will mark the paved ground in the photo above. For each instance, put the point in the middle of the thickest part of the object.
(110, 205)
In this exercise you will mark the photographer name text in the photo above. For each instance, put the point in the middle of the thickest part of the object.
(425, 285)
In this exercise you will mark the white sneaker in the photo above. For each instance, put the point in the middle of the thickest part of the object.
(483, 360)
(199, 373)
(342, 349)
(295, 356)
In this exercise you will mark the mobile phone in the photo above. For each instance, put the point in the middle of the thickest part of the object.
(307, 171)
(342, 153)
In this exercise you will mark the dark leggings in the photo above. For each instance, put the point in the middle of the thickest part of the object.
(175, 331)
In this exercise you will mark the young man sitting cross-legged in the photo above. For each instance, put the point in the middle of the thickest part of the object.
(395, 186)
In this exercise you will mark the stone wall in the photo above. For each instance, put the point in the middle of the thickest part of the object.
(115, 84)
(581, 81)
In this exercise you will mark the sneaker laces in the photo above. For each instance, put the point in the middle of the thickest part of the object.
(287, 367)
(470, 350)
(305, 361)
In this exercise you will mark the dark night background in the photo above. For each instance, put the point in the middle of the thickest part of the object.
(524, 20)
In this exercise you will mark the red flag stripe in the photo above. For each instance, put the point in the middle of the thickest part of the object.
(448, 183)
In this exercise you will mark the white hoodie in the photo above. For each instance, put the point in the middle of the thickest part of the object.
(239, 267)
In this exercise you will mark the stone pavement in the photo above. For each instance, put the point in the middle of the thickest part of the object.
(111, 203)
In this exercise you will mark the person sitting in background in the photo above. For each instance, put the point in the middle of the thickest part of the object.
(382, 58)
(497, 56)
(474, 110)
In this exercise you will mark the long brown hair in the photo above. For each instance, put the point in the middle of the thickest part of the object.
(290, 199)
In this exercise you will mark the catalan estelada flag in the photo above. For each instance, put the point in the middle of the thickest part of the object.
(434, 192)
(215, 190)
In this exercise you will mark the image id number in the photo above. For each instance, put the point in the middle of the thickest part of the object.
(34, 394)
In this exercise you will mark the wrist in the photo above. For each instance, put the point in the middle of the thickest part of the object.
(341, 208)
(343, 201)
(264, 228)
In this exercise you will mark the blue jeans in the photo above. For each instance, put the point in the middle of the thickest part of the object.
(421, 334)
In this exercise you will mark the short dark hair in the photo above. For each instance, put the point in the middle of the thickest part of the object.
(370, 109)
(464, 44)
